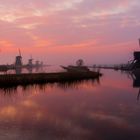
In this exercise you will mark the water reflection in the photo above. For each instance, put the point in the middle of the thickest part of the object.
(77, 83)
(73, 84)
(105, 111)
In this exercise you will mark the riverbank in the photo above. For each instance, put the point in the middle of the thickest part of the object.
(36, 78)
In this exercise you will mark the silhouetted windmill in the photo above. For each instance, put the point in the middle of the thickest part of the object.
(18, 62)
(30, 61)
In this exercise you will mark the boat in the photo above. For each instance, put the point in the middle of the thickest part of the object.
(78, 68)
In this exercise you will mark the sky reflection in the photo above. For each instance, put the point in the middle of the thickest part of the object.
(92, 111)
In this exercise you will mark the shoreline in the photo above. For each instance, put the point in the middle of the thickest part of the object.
(38, 78)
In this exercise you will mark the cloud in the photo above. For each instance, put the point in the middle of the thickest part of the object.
(68, 22)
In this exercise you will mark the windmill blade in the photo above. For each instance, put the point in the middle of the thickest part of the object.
(19, 52)
(139, 41)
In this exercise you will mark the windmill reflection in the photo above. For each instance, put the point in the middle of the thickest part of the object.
(138, 95)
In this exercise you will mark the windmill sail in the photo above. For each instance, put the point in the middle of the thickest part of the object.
(19, 52)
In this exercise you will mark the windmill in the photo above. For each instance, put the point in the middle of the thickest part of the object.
(80, 62)
(18, 62)
(30, 61)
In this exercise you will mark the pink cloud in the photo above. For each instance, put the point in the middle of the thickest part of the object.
(52, 25)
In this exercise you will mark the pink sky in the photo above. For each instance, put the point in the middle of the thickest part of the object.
(61, 31)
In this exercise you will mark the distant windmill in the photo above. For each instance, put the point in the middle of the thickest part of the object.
(31, 57)
(30, 61)
(18, 62)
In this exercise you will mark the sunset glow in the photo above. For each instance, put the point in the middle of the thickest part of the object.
(65, 30)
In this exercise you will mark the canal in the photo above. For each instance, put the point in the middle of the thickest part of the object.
(103, 109)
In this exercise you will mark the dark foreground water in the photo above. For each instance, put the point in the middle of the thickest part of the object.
(108, 109)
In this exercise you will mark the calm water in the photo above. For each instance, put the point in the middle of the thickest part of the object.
(89, 110)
